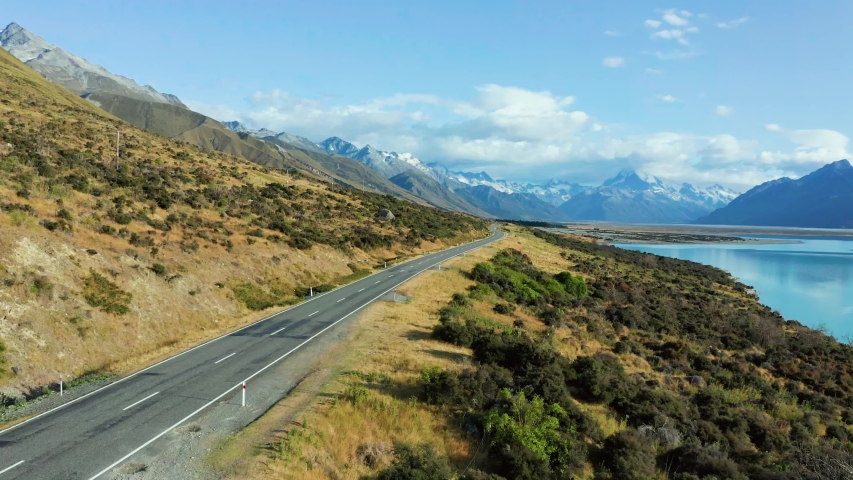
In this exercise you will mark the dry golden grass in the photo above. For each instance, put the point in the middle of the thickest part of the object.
(390, 346)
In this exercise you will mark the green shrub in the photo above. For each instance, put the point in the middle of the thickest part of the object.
(504, 308)
(255, 297)
(629, 455)
(419, 462)
(100, 292)
(160, 269)
(600, 378)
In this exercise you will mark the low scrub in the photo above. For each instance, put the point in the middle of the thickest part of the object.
(100, 292)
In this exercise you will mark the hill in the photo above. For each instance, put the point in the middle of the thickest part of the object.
(73, 72)
(108, 263)
(434, 193)
(821, 199)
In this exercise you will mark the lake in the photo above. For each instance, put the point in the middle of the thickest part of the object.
(810, 281)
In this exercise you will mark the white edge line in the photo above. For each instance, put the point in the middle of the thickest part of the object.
(280, 329)
(137, 403)
(9, 468)
(225, 358)
(240, 384)
(199, 346)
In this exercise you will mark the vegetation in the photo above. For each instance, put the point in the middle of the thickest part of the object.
(705, 381)
(99, 291)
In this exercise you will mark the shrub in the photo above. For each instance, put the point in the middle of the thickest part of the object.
(504, 308)
(160, 269)
(600, 378)
(255, 297)
(419, 462)
(629, 455)
(65, 214)
(100, 292)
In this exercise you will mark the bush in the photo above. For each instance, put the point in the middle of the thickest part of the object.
(255, 297)
(100, 292)
(703, 462)
(600, 378)
(629, 455)
(160, 269)
(419, 462)
(504, 308)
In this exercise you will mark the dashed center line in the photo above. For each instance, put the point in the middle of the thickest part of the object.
(361, 290)
(137, 403)
(341, 300)
(315, 313)
(280, 329)
(9, 468)
(226, 358)
(380, 281)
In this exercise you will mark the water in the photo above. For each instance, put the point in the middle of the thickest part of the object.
(810, 281)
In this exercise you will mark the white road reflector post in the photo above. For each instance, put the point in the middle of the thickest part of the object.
(243, 404)
(312, 291)
(60, 385)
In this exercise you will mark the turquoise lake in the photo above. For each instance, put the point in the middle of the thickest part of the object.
(811, 281)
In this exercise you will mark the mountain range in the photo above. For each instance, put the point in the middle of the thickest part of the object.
(821, 199)
(626, 197)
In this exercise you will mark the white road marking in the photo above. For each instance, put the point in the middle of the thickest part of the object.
(361, 290)
(380, 281)
(226, 358)
(341, 300)
(9, 468)
(176, 425)
(315, 313)
(137, 403)
(280, 329)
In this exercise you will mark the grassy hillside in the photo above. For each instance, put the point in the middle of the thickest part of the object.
(435, 193)
(574, 360)
(107, 264)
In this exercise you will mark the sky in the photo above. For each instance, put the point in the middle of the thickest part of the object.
(729, 92)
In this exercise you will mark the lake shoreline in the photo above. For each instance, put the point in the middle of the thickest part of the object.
(615, 236)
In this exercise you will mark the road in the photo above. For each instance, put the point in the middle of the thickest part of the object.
(88, 437)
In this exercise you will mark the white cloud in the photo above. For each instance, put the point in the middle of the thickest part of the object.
(672, 18)
(724, 110)
(517, 133)
(675, 34)
(733, 23)
(653, 71)
(674, 55)
(614, 62)
(667, 98)
(814, 147)
(653, 23)
(612, 33)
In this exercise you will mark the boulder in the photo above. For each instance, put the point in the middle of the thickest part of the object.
(385, 215)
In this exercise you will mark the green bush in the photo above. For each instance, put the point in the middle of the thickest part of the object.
(160, 269)
(419, 462)
(504, 308)
(629, 455)
(100, 292)
(600, 378)
(255, 297)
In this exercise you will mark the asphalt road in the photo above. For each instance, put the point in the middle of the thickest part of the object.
(87, 438)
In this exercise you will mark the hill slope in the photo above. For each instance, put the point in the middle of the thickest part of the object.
(105, 265)
(821, 199)
(73, 72)
(436, 194)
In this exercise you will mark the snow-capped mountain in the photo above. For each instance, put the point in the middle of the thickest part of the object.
(283, 137)
(555, 191)
(636, 197)
(388, 164)
(73, 72)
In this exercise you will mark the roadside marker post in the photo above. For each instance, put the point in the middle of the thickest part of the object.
(312, 291)
(243, 404)
(60, 385)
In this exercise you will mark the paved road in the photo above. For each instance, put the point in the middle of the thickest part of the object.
(90, 436)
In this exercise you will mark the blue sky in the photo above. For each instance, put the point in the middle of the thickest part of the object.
(733, 92)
